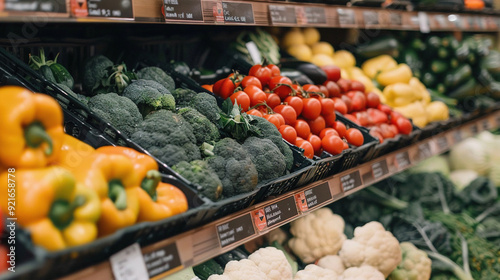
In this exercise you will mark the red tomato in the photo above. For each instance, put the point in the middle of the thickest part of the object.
(357, 85)
(280, 85)
(317, 125)
(333, 89)
(324, 90)
(255, 112)
(275, 70)
(261, 72)
(330, 119)
(358, 100)
(394, 129)
(341, 105)
(242, 98)
(394, 116)
(310, 88)
(384, 108)
(352, 118)
(375, 132)
(316, 143)
(348, 103)
(287, 112)
(302, 128)
(377, 116)
(332, 144)
(372, 100)
(273, 100)
(250, 80)
(307, 146)
(344, 85)
(363, 118)
(332, 72)
(4, 259)
(354, 137)
(296, 103)
(386, 131)
(272, 118)
(340, 128)
(327, 106)
(256, 95)
(280, 118)
(327, 131)
(404, 125)
(312, 108)
(288, 133)
(345, 146)
(224, 88)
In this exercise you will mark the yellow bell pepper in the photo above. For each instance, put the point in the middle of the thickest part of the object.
(344, 59)
(56, 211)
(400, 94)
(73, 151)
(344, 74)
(31, 128)
(401, 74)
(420, 88)
(437, 111)
(415, 111)
(357, 74)
(156, 200)
(114, 179)
(381, 63)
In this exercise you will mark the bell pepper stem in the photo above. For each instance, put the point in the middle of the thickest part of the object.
(61, 212)
(36, 135)
(150, 182)
(117, 194)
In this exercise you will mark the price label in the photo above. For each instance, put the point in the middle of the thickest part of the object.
(235, 230)
(486, 124)
(281, 211)
(315, 15)
(441, 21)
(346, 17)
(110, 8)
(317, 195)
(370, 17)
(48, 6)
(403, 160)
(282, 14)
(424, 151)
(474, 129)
(161, 260)
(237, 12)
(351, 181)
(442, 143)
(456, 20)
(128, 264)
(189, 10)
(380, 169)
(457, 136)
(396, 19)
(423, 22)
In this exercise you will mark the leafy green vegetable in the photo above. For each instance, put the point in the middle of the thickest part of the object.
(235, 123)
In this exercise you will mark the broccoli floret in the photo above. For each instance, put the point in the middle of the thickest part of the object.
(158, 75)
(200, 173)
(119, 111)
(203, 129)
(93, 71)
(207, 105)
(269, 131)
(82, 98)
(266, 157)
(168, 137)
(183, 96)
(149, 96)
(234, 167)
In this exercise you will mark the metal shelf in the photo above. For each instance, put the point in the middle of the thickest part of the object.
(198, 245)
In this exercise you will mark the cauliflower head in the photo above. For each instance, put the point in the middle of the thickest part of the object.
(332, 262)
(416, 265)
(372, 245)
(317, 234)
(314, 272)
(244, 270)
(365, 272)
(273, 263)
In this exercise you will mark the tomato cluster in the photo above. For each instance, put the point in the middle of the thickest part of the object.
(304, 115)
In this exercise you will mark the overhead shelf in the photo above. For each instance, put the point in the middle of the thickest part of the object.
(198, 245)
(260, 13)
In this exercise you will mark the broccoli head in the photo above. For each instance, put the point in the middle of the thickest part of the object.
(234, 167)
(267, 158)
(168, 137)
(156, 74)
(203, 129)
(119, 111)
(82, 98)
(93, 71)
(201, 174)
(149, 96)
(183, 96)
(207, 105)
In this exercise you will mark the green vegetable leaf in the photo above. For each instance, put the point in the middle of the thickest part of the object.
(235, 123)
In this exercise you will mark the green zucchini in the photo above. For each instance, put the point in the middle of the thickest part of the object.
(436, 96)
(441, 88)
(454, 63)
(433, 43)
(47, 73)
(233, 255)
(379, 46)
(457, 76)
(62, 75)
(442, 53)
(439, 66)
(210, 267)
(462, 52)
(410, 57)
(429, 79)
(465, 90)
(417, 45)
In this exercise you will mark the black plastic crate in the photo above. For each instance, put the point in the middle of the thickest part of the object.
(395, 143)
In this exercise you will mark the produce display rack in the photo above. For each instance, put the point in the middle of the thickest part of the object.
(198, 245)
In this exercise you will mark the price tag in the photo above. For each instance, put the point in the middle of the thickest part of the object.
(396, 19)
(442, 143)
(316, 196)
(403, 160)
(128, 264)
(441, 21)
(456, 20)
(457, 136)
(48, 6)
(351, 181)
(423, 22)
(486, 124)
(235, 230)
(162, 260)
(237, 12)
(280, 211)
(346, 17)
(315, 15)
(424, 151)
(415, 20)
(189, 10)
(474, 129)
(282, 14)
(380, 169)
(370, 18)
(110, 8)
